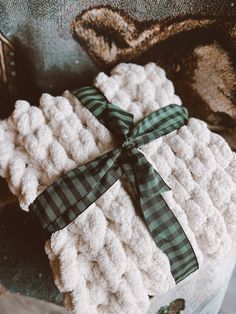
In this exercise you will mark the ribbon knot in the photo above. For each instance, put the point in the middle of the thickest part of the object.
(128, 144)
(75, 191)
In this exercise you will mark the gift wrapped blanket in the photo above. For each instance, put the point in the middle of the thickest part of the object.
(106, 261)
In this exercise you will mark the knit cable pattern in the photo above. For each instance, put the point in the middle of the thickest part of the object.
(105, 261)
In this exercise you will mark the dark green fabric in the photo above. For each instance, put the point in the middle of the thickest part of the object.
(69, 196)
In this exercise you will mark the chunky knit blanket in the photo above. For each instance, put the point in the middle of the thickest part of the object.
(106, 261)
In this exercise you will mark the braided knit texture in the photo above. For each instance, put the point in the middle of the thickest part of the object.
(105, 261)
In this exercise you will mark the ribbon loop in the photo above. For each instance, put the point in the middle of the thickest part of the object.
(128, 144)
(115, 119)
(159, 123)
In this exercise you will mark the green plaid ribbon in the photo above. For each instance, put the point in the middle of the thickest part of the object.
(75, 191)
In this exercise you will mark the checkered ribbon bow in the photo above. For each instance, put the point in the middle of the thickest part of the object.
(69, 196)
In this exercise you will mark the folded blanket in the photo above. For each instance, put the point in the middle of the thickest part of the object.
(106, 261)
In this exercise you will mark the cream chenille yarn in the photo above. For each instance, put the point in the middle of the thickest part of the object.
(105, 261)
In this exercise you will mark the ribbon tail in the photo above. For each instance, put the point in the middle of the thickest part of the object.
(169, 236)
(159, 123)
(164, 227)
(75, 191)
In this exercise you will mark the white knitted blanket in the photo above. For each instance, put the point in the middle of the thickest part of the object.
(105, 261)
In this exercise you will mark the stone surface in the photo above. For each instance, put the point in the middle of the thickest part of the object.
(229, 304)
(12, 303)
